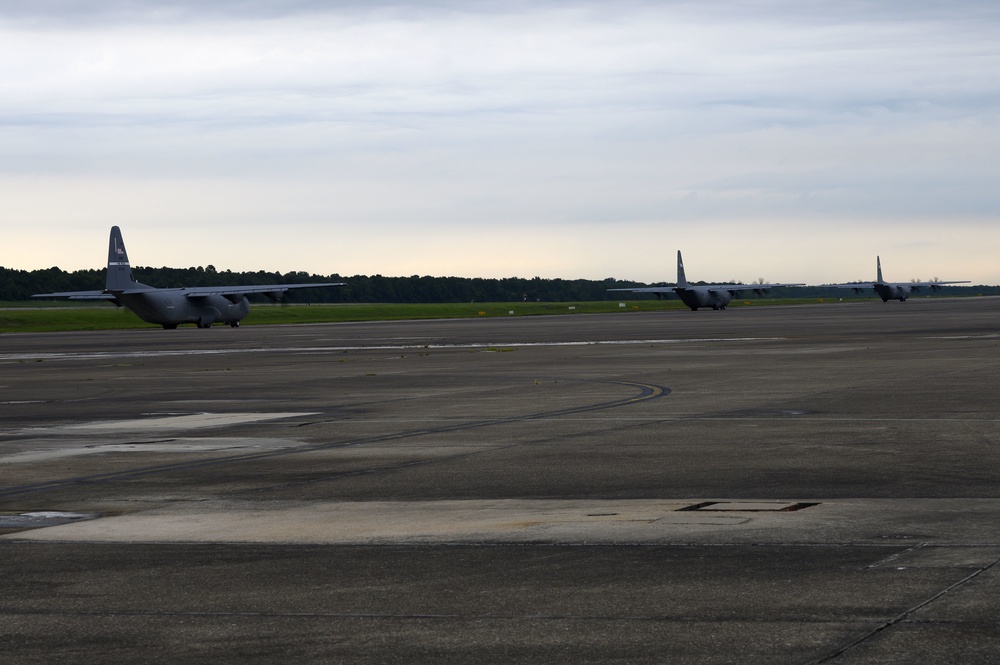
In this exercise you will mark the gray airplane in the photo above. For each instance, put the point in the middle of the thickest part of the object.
(716, 296)
(200, 305)
(894, 290)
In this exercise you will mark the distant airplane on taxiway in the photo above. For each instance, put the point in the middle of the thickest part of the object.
(894, 290)
(716, 296)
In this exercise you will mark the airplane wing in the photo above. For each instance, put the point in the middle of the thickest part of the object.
(735, 288)
(859, 286)
(732, 288)
(852, 285)
(77, 295)
(933, 284)
(648, 289)
(272, 291)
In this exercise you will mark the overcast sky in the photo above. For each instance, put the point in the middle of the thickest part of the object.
(786, 140)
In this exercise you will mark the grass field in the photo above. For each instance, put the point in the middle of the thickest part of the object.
(59, 316)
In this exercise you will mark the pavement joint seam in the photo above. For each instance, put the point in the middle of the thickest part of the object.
(904, 617)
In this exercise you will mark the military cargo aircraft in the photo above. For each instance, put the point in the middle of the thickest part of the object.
(200, 305)
(716, 296)
(894, 290)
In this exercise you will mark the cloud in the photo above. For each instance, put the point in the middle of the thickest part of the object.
(559, 118)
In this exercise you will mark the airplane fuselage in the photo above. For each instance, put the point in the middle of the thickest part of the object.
(889, 292)
(172, 307)
(703, 297)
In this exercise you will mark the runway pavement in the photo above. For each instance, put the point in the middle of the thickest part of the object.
(803, 484)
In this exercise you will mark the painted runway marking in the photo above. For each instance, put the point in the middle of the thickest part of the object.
(986, 336)
(191, 421)
(166, 353)
(181, 445)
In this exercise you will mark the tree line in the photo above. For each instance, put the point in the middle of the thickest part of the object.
(21, 284)
(18, 285)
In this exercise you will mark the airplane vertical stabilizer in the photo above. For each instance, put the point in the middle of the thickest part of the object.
(119, 271)
(878, 268)
(681, 279)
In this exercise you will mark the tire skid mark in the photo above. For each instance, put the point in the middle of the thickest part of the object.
(647, 391)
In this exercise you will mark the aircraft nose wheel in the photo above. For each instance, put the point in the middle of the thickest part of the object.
(235, 324)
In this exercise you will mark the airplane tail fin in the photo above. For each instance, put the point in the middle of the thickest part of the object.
(681, 279)
(878, 268)
(119, 271)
